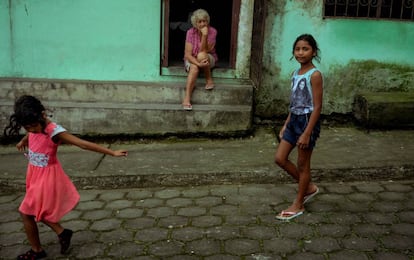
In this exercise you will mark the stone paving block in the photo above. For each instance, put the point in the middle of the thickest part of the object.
(72, 215)
(89, 250)
(179, 202)
(96, 214)
(12, 226)
(322, 245)
(403, 229)
(106, 224)
(83, 237)
(259, 232)
(223, 232)
(173, 222)
(88, 195)
(399, 187)
(76, 225)
(167, 194)
(371, 230)
(344, 218)
(187, 234)
(388, 206)
(360, 244)
(139, 194)
(407, 216)
(349, 254)
(394, 241)
(112, 195)
(160, 212)
(391, 196)
(203, 247)
(281, 245)
(126, 250)
(8, 239)
(89, 205)
(225, 210)
(140, 223)
(119, 204)
(116, 236)
(379, 218)
(207, 221)
(240, 220)
(166, 248)
(389, 255)
(361, 197)
(150, 203)
(290, 230)
(225, 257)
(130, 213)
(208, 201)
(196, 192)
(306, 255)
(333, 230)
(191, 211)
(372, 188)
(242, 247)
(8, 216)
(152, 234)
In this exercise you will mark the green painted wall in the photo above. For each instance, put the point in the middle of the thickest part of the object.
(80, 39)
(357, 55)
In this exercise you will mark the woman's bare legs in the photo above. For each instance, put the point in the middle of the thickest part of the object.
(32, 232)
(207, 70)
(189, 87)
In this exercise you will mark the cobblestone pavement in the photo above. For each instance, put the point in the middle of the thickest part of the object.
(350, 220)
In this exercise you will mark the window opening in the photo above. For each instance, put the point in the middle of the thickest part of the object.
(384, 9)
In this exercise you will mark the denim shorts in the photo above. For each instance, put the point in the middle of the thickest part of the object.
(295, 127)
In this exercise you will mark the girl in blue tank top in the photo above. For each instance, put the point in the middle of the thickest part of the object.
(302, 126)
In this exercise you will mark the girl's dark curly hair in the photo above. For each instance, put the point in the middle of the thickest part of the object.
(28, 110)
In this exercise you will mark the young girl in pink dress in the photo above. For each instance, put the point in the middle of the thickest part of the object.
(50, 194)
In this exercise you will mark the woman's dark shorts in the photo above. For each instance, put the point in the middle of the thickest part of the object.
(295, 128)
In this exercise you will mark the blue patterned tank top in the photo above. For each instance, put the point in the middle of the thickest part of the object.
(301, 99)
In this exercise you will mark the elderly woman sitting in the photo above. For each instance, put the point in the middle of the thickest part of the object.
(199, 54)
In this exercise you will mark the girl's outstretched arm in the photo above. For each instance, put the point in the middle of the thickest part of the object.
(22, 145)
(68, 138)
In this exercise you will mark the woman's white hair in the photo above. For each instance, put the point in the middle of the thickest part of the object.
(199, 14)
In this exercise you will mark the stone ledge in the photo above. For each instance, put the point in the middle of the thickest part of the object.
(388, 110)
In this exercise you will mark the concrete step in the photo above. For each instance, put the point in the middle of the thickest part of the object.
(111, 108)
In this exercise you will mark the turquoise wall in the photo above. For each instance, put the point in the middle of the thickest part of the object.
(357, 55)
(340, 40)
(80, 39)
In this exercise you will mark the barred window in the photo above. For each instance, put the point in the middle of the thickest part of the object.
(383, 9)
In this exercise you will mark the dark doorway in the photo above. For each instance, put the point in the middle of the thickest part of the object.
(177, 22)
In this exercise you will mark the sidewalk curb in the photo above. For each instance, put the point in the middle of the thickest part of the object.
(394, 173)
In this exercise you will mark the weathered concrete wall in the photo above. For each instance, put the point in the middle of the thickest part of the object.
(357, 54)
(102, 40)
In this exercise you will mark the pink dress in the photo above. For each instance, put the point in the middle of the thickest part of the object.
(50, 194)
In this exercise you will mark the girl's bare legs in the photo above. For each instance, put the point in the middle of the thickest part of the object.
(301, 173)
(32, 232)
(189, 87)
(54, 226)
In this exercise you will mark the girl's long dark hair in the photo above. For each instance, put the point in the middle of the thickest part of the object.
(28, 110)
